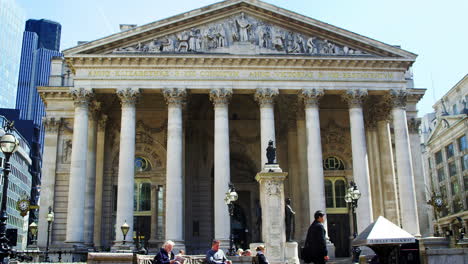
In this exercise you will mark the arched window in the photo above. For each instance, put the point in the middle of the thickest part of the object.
(142, 164)
(335, 190)
(333, 163)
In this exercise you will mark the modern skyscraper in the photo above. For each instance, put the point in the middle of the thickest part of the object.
(34, 71)
(48, 32)
(12, 22)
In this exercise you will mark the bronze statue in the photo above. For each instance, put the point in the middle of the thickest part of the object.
(271, 153)
(289, 219)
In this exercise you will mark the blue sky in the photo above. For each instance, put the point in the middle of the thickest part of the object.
(435, 30)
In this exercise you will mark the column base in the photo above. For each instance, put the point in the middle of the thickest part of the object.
(78, 246)
(179, 245)
(155, 244)
(224, 245)
(291, 254)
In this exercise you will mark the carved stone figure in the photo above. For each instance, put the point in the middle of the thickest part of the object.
(183, 42)
(278, 39)
(67, 149)
(194, 41)
(271, 153)
(311, 47)
(263, 36)
(290, 221)
(244, 27)
(221, 36)
(168, 45)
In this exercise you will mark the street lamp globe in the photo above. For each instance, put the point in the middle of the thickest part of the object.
(233, 196)
(33, 228)
(348, 197)
(356, 194)
(9, 143)
(50, 217)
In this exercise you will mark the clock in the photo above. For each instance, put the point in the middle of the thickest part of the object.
(438, 201)
(23, 206)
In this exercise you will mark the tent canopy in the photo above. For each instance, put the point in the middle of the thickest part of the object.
(382, 232)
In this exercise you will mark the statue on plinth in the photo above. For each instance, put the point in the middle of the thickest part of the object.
(271, 153)
(289, 219)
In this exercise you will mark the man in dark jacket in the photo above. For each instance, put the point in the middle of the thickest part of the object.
(165, 254)
(315, 248)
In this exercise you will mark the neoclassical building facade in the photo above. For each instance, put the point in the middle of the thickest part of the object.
(148, 126)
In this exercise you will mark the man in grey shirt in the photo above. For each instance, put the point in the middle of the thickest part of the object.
(216, 255)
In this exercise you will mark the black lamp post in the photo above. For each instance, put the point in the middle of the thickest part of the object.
(33, 230)
(125, 227)
(50, 220)
(231, 196)
(352, 196)
(8, 144)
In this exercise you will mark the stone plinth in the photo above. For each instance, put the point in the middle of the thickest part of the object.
(114, 258)
(271, 180)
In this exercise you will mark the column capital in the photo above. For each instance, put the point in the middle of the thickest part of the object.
(81, 96)
(413, 125)
(397, 98)
(175, 96)
(94, 109)
(355, 97)
(102, 122)
(220, 96)
(51, 124)
(311, 96)
(265, 96)
(382, 111)
(128, 96)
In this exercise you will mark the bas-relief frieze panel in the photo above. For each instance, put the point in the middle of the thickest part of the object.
(336, 141)
(237, 33)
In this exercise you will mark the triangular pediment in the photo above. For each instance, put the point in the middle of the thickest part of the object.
(240, 27)
(445, 123)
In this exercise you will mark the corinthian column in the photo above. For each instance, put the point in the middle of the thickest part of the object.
(265, 98)
(49, 166)
(389, 188)
(316, 192)
(355, 98)
(126, 178)
(90, 176)
(175, 98)
(409, 211)
(77, 184)
(220, 98)
(101, 136)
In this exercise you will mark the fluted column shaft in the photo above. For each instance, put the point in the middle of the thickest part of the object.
(49, 166)
(220, 98)
(174, 170)
(360, 158)
(265, 99)
(316, 192)
(77, 183)
(126, 176)
(101, 136)
(90, 176)
(406, 188)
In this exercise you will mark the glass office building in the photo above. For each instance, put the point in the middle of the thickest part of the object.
(12, 19)
(19, 186)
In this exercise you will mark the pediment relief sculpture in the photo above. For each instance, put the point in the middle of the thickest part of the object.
(238, 34)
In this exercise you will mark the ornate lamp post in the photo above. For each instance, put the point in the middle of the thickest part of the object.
(8, 144)
(352, 196)
(125, 227)
(33, 230)
(231, 196)
(50, 220)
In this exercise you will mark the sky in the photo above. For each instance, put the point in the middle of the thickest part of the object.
(435, 30)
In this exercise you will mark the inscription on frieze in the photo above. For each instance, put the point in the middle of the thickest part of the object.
(236, 75)
(238, 34)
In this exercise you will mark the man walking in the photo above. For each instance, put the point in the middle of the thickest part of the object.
(315, 248)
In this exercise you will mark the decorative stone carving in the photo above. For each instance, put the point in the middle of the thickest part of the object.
(94, 110)
(81, 96)
(381, 111)
(102, 122)
(66, 151)
(355, 97)
(273, 187)
(128, 96)
(265, 96)
(397, 98)
(220, 96)
(226, 35)
(413, 125)
(175, 96)
(51, 124)
(311, 97)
